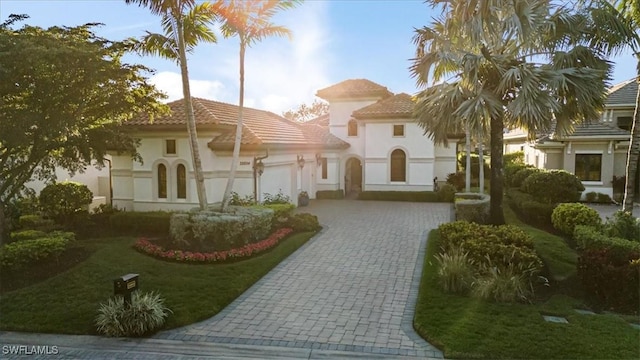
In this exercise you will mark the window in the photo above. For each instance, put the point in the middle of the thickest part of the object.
(324, 168)
(162, 181)
(398, 130)
(352, 129)
(589, 167)
(398, 165)
(624, 122)
(181, 173)
(170, 147)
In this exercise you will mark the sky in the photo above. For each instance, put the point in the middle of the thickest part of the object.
(332, 41)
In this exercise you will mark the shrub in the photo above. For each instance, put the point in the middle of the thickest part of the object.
(35, 222)
(446, 193)
(588, 237)
(144, 315)
(604, 198)
(610, 280)
(140, 223)
(513, 158)
(61, 201)
(19, 254)
(27, 235)
(455, 270)
(215, 231)
(623, 225)
(416, 196)
(591, 196)
(509, 172)
(330, 194)
(505, 284)
(304, 222)
(566, 216)
(552, 187)
(475, 165)
(237, 200)
(472, 207)
(457, 179)
(281, 210)
(535, 212)
(519, 176)
(278, 198)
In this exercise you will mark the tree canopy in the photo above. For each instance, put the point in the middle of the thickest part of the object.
(64, 92)
(306, 112)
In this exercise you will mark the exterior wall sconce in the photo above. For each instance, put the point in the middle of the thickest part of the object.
(319, 159)
(300, 161)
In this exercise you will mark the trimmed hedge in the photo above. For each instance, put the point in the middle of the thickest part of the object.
(23, 253)
(214, 231)
(509, 172)
(35, 222)
(519, 176)
(623, 225)
(304, 222)
(566, 216)
(588, 237)
(531, 211)
(140, 223)
(552, 187)
(416, 196)
(330, 194)
(27, 235)
(279, 210)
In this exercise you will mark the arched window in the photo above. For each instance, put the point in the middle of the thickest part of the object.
(352, 129)
(162, 181)
(181, 173)
(398, 165)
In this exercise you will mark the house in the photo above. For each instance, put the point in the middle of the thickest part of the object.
(595, 152)
(368, 141)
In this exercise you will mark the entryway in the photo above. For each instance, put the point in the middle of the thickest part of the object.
(353, 177)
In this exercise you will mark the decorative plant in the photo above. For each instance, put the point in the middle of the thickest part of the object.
(145, 314)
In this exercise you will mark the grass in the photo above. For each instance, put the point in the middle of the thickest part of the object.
(560, 259)
(67, 303)
(465, 327)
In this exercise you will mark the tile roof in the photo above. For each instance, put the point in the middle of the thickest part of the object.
(354, 88)
(322, 120)
(397, 106)
(260, 128)
(624, 93)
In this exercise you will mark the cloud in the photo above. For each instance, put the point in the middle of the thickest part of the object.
(171, 84)
(280, 74)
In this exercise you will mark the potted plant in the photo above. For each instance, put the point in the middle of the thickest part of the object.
(303, 198)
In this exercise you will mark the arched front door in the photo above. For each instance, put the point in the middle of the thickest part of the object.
(353, 177)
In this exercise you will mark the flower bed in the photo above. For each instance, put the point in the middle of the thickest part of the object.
(145, 246)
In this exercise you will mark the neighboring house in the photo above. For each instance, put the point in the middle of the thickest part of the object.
(595, 152)
(368, 141)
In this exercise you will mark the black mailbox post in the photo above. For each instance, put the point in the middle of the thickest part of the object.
(125, 285)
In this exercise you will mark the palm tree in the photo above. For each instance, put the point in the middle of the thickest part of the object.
(250, 20)
(506, 62)
(184, 24)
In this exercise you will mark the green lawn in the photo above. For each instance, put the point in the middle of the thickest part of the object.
(465, 327)
(68, 303)
(554, 251)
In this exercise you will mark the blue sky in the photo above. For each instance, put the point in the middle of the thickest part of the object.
(332, 41)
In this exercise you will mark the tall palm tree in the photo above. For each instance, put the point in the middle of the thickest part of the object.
(250, 21)
(184, 24)
(498, 63)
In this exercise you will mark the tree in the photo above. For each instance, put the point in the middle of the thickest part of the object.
(64, 92)
(525, 65)
(306, 112)
(185, 24)
(250, 21)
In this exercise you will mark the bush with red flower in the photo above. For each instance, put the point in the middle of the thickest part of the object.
(144, 245)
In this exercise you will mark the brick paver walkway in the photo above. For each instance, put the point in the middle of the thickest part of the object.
(352, 288)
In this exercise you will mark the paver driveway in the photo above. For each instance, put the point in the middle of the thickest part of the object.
(351, 288)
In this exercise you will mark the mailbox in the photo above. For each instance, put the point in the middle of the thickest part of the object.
(125, 285)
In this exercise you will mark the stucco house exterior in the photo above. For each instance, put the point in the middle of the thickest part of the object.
(595, 152)
(368, 141)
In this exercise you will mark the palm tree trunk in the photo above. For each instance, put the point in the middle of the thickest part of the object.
(632, 156)
(191, 119)
(467, 177)
(496, 213)
(238, 140)
(481, 162)
(2, 224)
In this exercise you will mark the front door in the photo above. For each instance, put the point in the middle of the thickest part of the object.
(353, 177)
